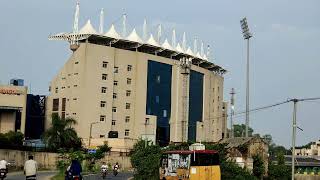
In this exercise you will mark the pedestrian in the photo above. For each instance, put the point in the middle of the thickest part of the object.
(4, 165)
(30, 168)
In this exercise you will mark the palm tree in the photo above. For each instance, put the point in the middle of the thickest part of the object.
(61, 134)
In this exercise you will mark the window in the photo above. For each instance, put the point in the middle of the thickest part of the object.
(63, 104)
(104, 64)
(127, 105)
(116, 69)
(74, 113)
(102, 104)
(115, 83)
(104, 76)
(113, 123)
(56, 89)
(75, 85)
(63, 115)
(147, 121)
(157, 99)
(102, 136)
(76, 73)
(74, 99)
(63, 78)
(126, 132)
(114, 95)
(49, 88)
(114, 109)
(218, 98)
(102, 118)
(129, 68)
(127, 119)
(55, 105)
(63, 87)
(103, 89)
(164, 113)
(128, 81)
(76, 62)
(128, 93)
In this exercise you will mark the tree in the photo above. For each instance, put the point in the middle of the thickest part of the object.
(240, 130)
(267, 138)
(258, 166)
(279, 170)
(62, 134)
(146, 160)
(229, 169)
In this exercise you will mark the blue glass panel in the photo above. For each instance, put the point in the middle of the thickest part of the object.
(159, 98)
(195, 103)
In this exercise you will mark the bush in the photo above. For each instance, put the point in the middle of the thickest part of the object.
(11, 139)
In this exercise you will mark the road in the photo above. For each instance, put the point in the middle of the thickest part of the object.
(46, 175)
(120, 176)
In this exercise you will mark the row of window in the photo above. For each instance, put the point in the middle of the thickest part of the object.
(103, 118)
(114, 109)
(104, 77)
(116, 69)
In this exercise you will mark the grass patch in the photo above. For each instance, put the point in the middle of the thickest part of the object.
(58, 176)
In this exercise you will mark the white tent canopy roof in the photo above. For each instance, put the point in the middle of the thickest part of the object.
(152, 41)
(112, 33)
(189, 51)
(198, 55)
(87, 29)
(133, 36)
(167, 45)
(179, 48)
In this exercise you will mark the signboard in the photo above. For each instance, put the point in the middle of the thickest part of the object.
(10, 91)
(92, 151)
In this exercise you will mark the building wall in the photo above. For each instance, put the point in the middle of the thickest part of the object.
(80, 82)
(12, 101)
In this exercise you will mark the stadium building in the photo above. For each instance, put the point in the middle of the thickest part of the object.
(120, 88)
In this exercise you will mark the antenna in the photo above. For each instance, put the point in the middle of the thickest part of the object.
(124, 24)
(173, 43)
(145, 30)
(159, 33)
(184, 41)
(74, 42)
(101, 21)
(195, 45)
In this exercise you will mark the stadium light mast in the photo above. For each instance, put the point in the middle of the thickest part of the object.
(246, 35)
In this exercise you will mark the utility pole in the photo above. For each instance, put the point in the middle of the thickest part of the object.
(294, 134)
(232, 113)
(246, 35)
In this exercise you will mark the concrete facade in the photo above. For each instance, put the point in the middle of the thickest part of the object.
(106, 87)
(13, 100)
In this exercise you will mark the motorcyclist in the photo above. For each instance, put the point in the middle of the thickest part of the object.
(3, 165)
(74, 169)
(104, 168)
(116, 169)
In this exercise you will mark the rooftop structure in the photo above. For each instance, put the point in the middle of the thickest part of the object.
(134, 42)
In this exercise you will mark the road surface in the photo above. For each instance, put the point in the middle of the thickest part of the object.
(120, 176)
(46, 175)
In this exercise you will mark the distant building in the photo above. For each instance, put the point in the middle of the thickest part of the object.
(20, 111)
(13, 100)
(314, 150)
(241, 150)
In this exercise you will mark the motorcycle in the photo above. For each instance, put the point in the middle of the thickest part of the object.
(76, 177)
(115, 171)
(103, 173)
(3, 174)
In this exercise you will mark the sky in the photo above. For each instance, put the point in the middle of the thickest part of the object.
(284, 50)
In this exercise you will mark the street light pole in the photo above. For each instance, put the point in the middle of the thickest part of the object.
(246, 35)
(294, 128)
(90, 136)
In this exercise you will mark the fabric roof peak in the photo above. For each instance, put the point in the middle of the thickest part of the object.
(87, 29)
(133, 36)
(112, 33)
(167, 45)
(152, 41)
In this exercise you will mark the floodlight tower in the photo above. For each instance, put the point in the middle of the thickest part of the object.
(185, 65)
(246, 35)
